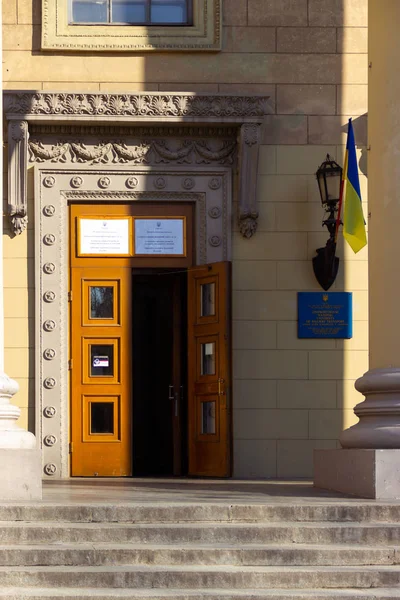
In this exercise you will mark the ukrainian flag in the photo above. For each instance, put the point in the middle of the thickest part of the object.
(353, 219)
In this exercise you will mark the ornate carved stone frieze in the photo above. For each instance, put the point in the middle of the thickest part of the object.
(248, 162)
(183, 106)
(17, 175)
(136, 153)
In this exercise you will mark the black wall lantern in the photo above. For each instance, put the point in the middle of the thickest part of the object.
(326, 264)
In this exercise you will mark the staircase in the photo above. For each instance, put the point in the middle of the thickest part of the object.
(202, 551)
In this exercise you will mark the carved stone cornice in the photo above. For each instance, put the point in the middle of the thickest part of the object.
(162, 110)
(135, 107)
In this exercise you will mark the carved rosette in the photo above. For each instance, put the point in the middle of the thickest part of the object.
(49, 239)
(49, 210)
(49, 383)
(215, 241)
(49, 268)
(214, 183)
(160, 183)
(215, 212)
(49, 354)
(76, 182)
(188, 183)
(49, 296)
(131, 183)
(49, 181)
(50, 469)
(50, 440)
(50, 412)
(104, 182)
(49, 325)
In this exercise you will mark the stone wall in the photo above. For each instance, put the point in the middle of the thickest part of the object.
(309, 56)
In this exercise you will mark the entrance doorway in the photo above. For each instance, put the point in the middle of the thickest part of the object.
(159, 373)
(149, 348)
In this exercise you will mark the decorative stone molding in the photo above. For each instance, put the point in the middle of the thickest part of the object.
(104, 182)
(49, 239)
(214, 212)
(215, 241)
(49, 325)
(17, 175)
(49, 354)
(142, 106)
(49, 296)
(202, 34)
(249, 147)
(49, 268)
(49, 210)
(49, 383)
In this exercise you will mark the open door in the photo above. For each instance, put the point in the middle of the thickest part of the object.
(209, 376)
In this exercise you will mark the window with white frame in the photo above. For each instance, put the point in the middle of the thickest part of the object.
(130, 12)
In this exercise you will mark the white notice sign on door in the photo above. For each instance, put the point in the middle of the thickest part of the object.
(159, 236)
(104, 236)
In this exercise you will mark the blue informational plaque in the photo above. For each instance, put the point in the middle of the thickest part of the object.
(325, 314)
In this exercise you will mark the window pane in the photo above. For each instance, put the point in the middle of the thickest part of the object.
(101, 360)
(168, 11)
(101, 417)
(208, 417)
(89, 11)
(207, 299)
(101, 302)
(208, 359)
(129, 11)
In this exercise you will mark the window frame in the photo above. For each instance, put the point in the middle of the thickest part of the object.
(147, 23)
(204, 33)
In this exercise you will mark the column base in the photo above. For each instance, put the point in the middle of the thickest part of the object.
(20, 474)
(366, 473)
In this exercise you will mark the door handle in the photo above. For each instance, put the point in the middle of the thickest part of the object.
(221, 392)
(170, 392)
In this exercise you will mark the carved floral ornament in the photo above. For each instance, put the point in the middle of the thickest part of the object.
(154, 108)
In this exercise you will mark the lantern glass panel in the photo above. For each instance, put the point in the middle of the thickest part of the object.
(333, 185)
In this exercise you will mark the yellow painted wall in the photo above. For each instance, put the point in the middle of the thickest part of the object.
(309, 56)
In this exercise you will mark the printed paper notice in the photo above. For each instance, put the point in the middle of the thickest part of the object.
(159, 236)
(104, 236)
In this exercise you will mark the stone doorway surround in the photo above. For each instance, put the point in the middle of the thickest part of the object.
(120, 147)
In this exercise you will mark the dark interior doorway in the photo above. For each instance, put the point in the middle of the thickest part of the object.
(159, 373)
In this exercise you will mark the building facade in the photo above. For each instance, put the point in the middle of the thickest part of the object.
(214, 125)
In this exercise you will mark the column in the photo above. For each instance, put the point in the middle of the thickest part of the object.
(20, 461)
(369, 464)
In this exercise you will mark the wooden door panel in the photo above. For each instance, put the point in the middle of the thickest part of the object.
(209, 373)
(101, 372)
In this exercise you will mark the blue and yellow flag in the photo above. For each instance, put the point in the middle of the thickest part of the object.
(353, 219)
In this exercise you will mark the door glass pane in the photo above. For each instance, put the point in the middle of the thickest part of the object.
(102, 302)
(168, 11)
(207, 298)
(101, 360)
(89, 11)
(101, 417)
(128, 11)
(208, 359)
(208, 417)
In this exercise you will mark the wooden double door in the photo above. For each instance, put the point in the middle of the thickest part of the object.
(150, 358)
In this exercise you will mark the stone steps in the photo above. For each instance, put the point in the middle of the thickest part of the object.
(175, 513)
(187, 533)
(101, 554)
(202, 577)
(200, 552)
(210, 594)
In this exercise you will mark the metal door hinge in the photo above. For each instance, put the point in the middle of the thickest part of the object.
(70, 296)
(70, 363)
(71, 447)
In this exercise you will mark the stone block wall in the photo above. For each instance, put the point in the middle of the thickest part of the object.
(310, 57)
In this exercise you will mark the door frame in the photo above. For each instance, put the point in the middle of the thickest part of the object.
(55, 188)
